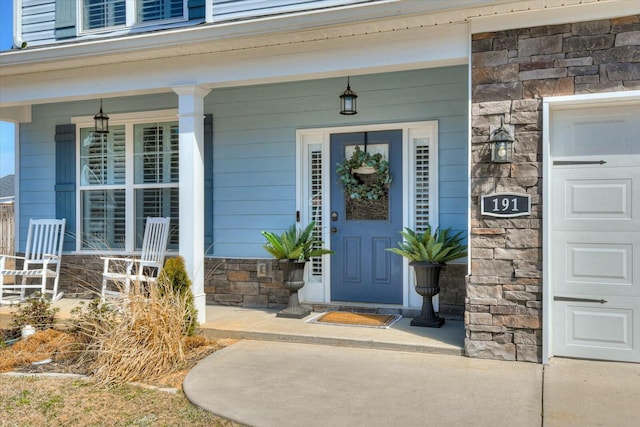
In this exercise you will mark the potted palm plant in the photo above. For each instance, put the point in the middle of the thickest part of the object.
(427, 253)
(293, 249)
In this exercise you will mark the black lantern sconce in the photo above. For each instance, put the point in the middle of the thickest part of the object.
(101, 121)
(501, 145)
(348, 101)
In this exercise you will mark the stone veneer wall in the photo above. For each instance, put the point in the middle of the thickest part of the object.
(236, 282)
(511, 72)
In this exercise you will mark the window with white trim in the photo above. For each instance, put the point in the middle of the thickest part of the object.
(127, 175)
(100, 14)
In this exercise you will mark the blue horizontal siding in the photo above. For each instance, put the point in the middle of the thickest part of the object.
(254, 144)
(38, 21)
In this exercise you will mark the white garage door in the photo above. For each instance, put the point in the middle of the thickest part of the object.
(595, 233)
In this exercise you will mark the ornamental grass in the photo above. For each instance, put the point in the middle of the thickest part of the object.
(134, 338)
(39, 347)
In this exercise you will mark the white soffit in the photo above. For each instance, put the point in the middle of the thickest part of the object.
(404, 50)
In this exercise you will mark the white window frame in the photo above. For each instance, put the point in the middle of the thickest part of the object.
(130, 18)
(129, 120)
(318, 289)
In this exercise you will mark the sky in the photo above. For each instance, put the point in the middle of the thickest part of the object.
(7, 132)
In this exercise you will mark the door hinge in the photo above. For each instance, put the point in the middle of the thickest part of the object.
(571, 299)
(297, 216)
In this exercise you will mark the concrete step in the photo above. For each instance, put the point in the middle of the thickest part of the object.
(262, 324)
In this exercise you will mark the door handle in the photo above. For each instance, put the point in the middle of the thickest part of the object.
(334, 229)
(578, 162)
(571, 299)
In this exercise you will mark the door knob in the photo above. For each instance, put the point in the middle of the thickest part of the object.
(334, 229)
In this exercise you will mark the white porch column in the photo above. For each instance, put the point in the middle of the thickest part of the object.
(191, 123)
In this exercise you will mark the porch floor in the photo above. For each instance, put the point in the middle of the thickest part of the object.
(262, 324)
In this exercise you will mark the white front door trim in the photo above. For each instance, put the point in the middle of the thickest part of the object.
(550, 105)
(412, 132)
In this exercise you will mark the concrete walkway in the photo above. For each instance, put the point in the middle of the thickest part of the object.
(289, 373)
(261, 383)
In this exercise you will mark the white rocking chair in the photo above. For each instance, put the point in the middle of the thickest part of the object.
(123, 271)
(41, 261)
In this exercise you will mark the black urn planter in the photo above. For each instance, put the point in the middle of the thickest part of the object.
(427, 285)
(293, 280)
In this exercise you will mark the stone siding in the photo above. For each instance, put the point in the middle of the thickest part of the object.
(511, 73)
(236, 282)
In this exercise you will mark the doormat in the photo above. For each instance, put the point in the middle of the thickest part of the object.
(366, 320)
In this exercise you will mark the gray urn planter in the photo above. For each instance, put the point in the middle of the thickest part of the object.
(293, 280)
(427, 286)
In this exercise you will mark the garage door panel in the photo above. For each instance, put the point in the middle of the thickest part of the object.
(605, 203)
(597, 263)
(599, 331)
(598, 199)
(600, 263)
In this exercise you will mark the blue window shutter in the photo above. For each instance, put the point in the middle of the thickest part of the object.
(196, 9)
(65, 19)
(208, 183)
(66, 181)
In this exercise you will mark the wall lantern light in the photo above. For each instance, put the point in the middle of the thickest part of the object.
(348, 101)
(101, 121)
(501, 145)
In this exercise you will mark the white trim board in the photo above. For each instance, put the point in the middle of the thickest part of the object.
(320, 292)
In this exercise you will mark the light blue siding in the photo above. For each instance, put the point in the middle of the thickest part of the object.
(38, 21)
(39, 24)
(254, 144)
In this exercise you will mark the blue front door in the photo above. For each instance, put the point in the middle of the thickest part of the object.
(361, 230)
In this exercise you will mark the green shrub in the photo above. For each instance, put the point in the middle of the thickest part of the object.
(36, 312)
(174, 276)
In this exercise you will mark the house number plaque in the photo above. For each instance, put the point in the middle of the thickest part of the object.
(505, 205)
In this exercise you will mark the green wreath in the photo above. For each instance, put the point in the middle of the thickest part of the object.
(376, 185)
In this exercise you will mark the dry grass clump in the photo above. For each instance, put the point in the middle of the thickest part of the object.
(47, 344)
(135, 338)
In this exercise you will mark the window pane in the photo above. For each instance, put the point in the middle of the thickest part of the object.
(157, 202)
(153, 10)
(103, 219)
(102, 157)
(421, 177)
(156, 153)
(103, 13)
